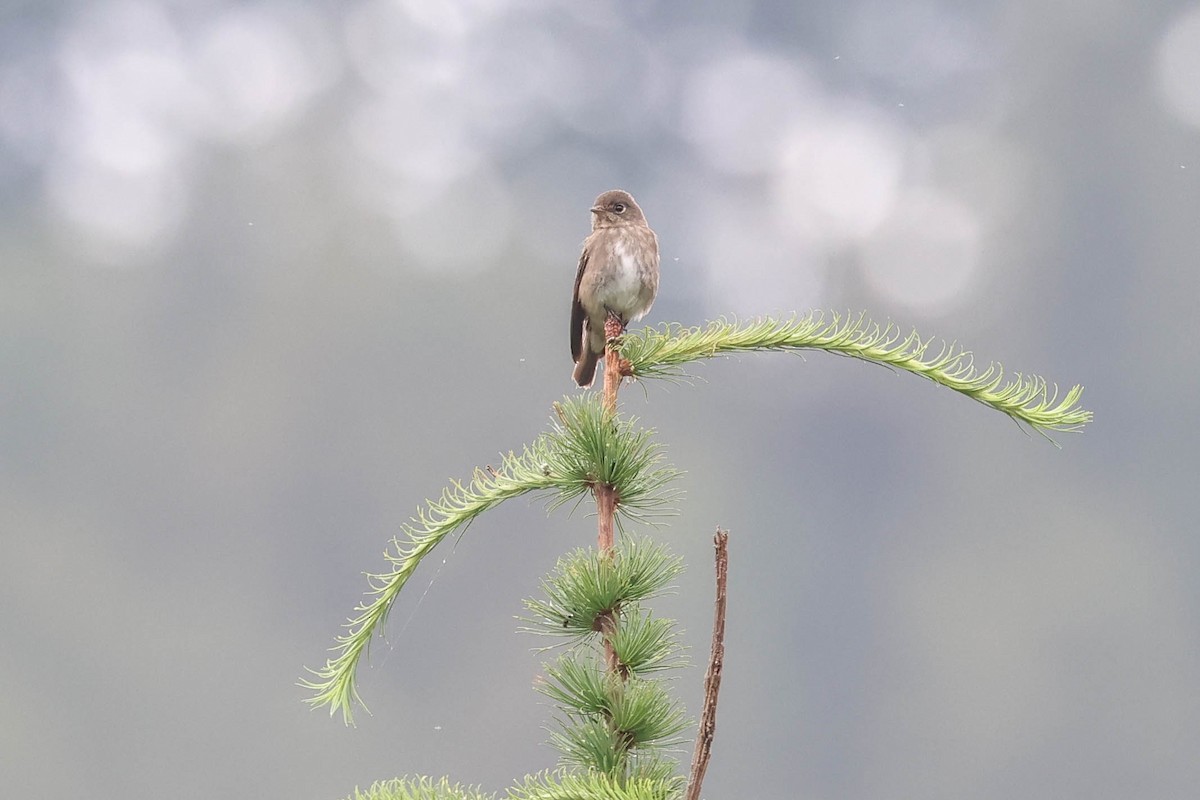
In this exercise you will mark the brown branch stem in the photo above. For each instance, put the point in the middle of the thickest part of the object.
(606, 504)
(606, 496)
(612, 362)
(606, 510)
(712, 679)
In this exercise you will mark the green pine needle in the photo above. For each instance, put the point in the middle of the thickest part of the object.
(582, 586)
(579, 685)
(597, 786)
(646, 644)
(584, 446)
(590, 745)
(420, 789)
(662, 352)
(647, 715)
(593, 447)
(641, 710)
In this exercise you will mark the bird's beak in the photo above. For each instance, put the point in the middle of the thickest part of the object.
(597, 209)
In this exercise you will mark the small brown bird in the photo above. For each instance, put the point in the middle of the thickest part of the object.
(618, 273)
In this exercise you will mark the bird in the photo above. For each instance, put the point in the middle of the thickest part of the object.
(618, 275)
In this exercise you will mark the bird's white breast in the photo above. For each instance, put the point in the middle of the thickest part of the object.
(625, 289)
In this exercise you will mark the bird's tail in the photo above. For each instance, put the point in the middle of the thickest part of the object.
(585, 367)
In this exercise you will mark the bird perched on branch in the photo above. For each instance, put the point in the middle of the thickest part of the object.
(618, 275)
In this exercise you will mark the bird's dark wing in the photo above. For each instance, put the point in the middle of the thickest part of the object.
(577, 312)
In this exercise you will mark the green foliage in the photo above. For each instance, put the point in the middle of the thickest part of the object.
(635, 712)
(577, 684)
(647, 644)
(584, 446)
(581, 587)
(420, 789)
(592, 447)
(597, 786)
(645, 714)
(648, 784)
(612, 721)
(590, 744)
(662, 352)
(616, 719)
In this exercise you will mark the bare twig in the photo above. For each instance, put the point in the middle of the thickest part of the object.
(712, 679)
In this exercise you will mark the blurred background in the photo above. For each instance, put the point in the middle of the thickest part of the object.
(272, 273)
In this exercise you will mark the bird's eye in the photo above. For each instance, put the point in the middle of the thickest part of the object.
(619, 208)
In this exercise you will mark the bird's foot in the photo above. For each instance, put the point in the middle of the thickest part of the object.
(614, 326)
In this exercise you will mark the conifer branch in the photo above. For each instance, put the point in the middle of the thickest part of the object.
(617, 718)
(612, 720)
(584, 447)
(420, 789)
(583, 586)
(595, 786)
(662, 352)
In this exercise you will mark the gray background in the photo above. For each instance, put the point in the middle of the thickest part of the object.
(271, 273)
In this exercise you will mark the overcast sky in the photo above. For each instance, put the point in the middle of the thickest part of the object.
(272, 273)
